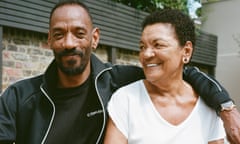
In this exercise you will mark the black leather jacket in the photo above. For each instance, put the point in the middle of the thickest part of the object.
(27, 111)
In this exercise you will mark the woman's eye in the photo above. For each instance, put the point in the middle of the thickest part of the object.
(141, 47)
(158, 46)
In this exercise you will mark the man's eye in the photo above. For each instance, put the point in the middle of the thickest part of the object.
(80, 34)
(58, 35)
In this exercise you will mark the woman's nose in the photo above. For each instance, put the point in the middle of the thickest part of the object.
(149, 52)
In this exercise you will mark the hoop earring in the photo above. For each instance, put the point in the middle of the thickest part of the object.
(185, 60)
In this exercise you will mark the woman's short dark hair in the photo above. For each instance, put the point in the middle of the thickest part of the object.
(183, 24)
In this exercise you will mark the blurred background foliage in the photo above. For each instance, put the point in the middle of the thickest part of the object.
(153, 5)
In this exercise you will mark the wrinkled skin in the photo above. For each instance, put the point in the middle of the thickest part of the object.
(232, 125)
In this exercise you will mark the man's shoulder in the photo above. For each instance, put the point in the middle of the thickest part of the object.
(29, 81)
(24, 88)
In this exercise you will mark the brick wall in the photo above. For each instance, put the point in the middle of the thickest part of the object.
(26, 54)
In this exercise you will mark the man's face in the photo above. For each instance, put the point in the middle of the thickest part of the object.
(71, 37)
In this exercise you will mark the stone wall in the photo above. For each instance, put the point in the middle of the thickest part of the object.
(26, 54)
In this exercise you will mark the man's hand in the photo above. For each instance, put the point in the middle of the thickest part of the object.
(231, 120)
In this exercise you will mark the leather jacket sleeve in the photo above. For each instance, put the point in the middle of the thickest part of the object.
(124, 74)
(207, 87)
(7, 116)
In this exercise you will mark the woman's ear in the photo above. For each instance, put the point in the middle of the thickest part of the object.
(95, 37)
(187, 52)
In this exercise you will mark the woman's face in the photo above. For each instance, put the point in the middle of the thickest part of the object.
(161, 55)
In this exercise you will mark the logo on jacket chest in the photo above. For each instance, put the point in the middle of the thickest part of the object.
(93, 113)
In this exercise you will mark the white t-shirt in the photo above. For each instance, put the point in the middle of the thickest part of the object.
(134, 114)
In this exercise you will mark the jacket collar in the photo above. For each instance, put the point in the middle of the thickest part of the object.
(51, 77)
(97, 66)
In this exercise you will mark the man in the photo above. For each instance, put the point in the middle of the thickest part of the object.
(67, 104)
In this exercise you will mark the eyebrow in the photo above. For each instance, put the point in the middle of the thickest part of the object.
(58, 28)
(154, 40)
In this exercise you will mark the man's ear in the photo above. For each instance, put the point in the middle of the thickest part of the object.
(49, 39)
(96, 37)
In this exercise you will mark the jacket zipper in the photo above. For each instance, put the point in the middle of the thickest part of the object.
(54, 109)
(104, 113)
(53, 115)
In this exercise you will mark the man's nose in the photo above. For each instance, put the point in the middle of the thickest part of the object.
(69, 42)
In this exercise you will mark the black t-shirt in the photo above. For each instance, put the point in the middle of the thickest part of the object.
(78, 118)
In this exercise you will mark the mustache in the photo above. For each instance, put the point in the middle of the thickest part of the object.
(68, 52)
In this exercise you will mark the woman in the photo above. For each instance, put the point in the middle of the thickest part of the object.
(163, 108)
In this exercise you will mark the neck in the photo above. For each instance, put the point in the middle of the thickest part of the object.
(163, 88)
(171, 84)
